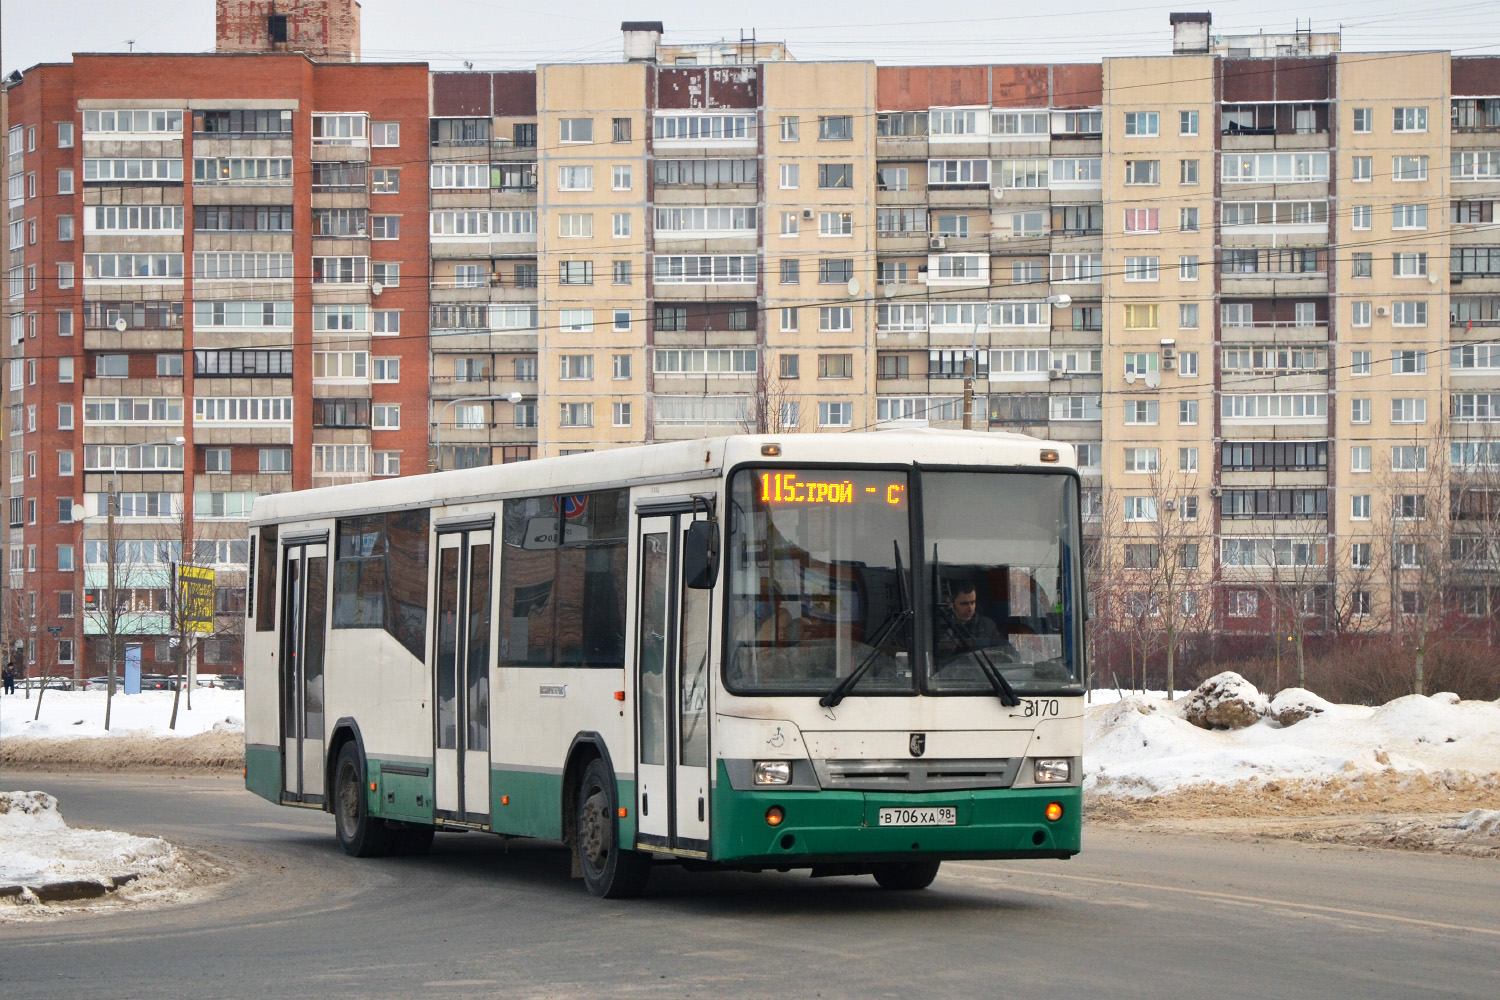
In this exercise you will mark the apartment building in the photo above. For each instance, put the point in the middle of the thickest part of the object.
(1219, 273)
(206, 302)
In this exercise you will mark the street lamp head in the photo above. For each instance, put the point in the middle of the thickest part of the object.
(514, 397)
(179, 441)
(1062, 300)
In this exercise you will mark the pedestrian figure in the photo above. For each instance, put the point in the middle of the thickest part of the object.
(8, 675)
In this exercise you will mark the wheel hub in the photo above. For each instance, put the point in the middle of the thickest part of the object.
(593, 831)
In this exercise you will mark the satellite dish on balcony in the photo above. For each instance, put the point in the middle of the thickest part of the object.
(1153, 379)
(121, 325)
(376, 288)
(853, 286)
(889, 291)
(1130, 377)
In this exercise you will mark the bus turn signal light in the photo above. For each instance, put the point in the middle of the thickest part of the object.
(624, 812)
(372, 786)
(1049, 455)
(1054, 811)
(619, 696)
(774, 816)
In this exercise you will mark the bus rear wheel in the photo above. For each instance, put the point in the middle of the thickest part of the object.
(360, 834)
(609, 871)
(907, 875)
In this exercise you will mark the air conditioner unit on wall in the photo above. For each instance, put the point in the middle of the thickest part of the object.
(1382, 311)
(807, 213)
(1169, 504)
(1214, 491)
(937, 243)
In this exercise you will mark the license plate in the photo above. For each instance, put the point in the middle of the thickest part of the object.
(930, 816)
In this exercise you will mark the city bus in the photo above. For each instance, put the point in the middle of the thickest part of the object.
(856, 654)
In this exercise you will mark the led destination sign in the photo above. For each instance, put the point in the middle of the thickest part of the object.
(792, 488)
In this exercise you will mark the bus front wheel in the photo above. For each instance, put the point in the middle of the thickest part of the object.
(360, 834)
(609, 870)
(907, 874)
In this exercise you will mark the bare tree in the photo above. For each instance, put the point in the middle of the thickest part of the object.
(1296, 589)
(1415, 511)
(770, 412)
(1474, 525)
(1163, 552)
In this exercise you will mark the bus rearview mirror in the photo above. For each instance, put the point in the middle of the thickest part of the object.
(700, 555)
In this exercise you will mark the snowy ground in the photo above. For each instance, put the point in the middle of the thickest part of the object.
(68, 714)
(48, 868)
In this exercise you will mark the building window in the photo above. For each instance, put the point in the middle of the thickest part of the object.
(1187, 364)
(1363, 119)
(1362, 265)
(1187, 411)
(1359, 410)
(1359, 507)
(1187, 123)
(621, 222)
(1359, 458)
(576, 130)
(838, 413)
(1142, 171)
(1410, 120)
(1359, 363)
(1361, 168)
(836, 127)
(1187, 172)
(620, 128)
(621, 415)
(385, 227)
(835, 175)
(1142, 123)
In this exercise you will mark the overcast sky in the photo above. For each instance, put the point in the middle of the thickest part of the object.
(499, 34)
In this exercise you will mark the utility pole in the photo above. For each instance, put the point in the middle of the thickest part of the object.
(969, 393)
(111, 618)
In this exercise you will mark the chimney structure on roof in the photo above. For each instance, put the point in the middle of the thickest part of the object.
(325, 30)
(1190, 33)
(641, 40)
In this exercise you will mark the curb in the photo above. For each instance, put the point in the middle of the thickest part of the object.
(69, 891)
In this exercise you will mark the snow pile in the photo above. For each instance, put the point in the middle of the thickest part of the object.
(1225, 701)
(38, 847)
(1143, 746)
(1478, 823)
(1292, 705)
(67, 714)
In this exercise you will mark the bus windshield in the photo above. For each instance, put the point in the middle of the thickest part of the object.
(823, 580)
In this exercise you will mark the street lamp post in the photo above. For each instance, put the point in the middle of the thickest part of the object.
(437, 435)
(1061, 300)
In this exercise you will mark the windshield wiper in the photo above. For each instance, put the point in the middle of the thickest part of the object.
(901, 614)
(1003, 690)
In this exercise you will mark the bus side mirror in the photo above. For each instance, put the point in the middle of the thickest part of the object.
(700, 555)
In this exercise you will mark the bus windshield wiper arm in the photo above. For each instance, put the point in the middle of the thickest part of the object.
(901, 614)
(843, 687)
(1003, 689)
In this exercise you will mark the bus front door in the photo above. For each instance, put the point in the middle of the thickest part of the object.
(461, 675)
(673, 664)
(304, 614)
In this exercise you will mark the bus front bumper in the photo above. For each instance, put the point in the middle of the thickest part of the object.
(844, 826)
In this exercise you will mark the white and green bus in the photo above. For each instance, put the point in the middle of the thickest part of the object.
(853, 653)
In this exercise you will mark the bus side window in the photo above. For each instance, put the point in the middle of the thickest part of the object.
(265, 580)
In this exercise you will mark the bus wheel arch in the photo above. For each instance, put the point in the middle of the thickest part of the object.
(344, 731)
(590, 809)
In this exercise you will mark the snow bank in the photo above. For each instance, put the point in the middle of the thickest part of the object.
(37, 846)
(1143, 745)
(81, 713)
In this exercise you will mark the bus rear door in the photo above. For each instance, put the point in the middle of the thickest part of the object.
(461, 672)
(304, 621)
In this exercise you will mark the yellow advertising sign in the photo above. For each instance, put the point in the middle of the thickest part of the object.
(195, 588)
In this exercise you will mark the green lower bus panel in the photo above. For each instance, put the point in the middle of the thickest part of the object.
(263, 772)
(526, 803)
(400, 796)
(830, 825)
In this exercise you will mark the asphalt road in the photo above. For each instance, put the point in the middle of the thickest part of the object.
(1133, 916)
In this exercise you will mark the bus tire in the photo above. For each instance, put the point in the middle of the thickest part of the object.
(907, 875)
(411, 841)
(360, 834)
(609, 871)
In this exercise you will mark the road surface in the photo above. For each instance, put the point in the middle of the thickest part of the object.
(1135, 915)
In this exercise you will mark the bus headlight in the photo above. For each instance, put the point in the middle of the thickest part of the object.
(773, 772)
(1050, 771)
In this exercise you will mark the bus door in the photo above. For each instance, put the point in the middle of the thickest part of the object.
(304, 620)
(674, 671)
(461, 672)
